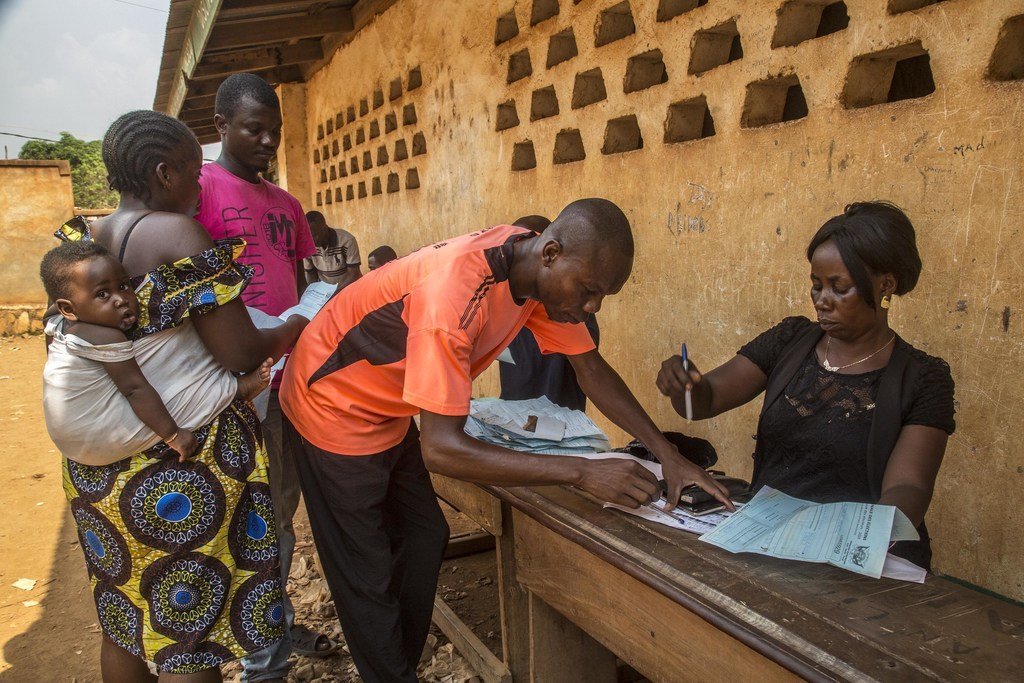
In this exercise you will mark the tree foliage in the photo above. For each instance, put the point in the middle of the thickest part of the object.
(88, 174)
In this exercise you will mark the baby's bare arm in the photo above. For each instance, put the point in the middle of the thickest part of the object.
(94, 334)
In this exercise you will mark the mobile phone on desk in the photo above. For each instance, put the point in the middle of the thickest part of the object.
(705, 508)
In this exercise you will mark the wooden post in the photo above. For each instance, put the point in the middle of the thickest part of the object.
(513, 603)
(560, 652)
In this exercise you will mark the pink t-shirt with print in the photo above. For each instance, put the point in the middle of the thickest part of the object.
(274, 228)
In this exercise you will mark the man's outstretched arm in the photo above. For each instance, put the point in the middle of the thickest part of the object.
(612, 397)
(448, 450)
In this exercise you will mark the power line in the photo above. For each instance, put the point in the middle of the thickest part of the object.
(27, 137)
(135, 4)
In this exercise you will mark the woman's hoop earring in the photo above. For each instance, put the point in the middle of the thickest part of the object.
(886, 301)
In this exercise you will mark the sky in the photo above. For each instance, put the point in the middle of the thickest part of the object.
(76, 65)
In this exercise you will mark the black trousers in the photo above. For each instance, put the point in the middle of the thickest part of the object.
(381, 536)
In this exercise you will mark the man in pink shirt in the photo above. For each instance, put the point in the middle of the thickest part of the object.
(237, 202)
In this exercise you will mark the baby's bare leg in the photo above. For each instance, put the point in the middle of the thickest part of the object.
(256, 381)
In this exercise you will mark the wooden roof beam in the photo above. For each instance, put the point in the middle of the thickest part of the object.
(228, 36)
(221, 65)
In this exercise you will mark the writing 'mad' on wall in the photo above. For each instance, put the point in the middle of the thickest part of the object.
(728, 131)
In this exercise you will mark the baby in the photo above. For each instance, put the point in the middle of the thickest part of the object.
(98, 306)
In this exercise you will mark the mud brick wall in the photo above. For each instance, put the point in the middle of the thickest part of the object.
(35, 198)
(729, 131)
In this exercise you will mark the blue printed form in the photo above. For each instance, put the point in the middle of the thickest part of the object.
(853, 536)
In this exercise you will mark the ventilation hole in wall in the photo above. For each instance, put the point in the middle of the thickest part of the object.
(519, 65)
(390, 122)
(319, 199)
(335, 150)
(350, 114)
(337, 195)
(568, 147)
(328, 196)
(670, 9)
(899, 73)
(415, 79)
(773, 101)
(334, 172)
(561, 47)
(350, 193)
(523, 156)
(320, 132)
(339, 120)
(898, 6)
(329, 126)
(401, 150)
(507, 116)
(316, 156)
(714, 47)
(408, 114)
(644, 70)
(323, 175)
(419, 144)
(342, 171)
(396, 89)
(375, 188)
(378, 98)
(412, 179)
(382, 155)
(353, 164)
(346, 142)
(360, 136)
(689, 120)
(367, 160)
(1007, 63)
(392, 183)
(544, 103)
(507, 28)
(622, 135)
(325, 152)
(362, 189)
(543, 10)
(614, 24)
(800, 20)
(374, 129)
(588, 88)
(364, 107)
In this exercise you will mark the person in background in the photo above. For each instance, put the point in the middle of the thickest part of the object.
(531, 373)
(379, 256)
(851, 411)
(236, 202)
(336, 260)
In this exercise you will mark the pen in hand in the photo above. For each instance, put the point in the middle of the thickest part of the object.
(688, 397)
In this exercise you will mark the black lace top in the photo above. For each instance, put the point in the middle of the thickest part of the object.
(814, 438)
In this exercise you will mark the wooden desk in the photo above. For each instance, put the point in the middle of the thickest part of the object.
(578, 582)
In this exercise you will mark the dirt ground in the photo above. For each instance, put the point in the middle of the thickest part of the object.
(50, 632)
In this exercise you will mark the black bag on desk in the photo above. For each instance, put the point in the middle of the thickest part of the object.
(698, 451)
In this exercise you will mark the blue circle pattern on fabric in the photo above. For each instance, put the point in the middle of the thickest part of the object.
(257, 611)
(188, 658)
(252, 538)
(185, 594)
(178, 507)
(234, 444)
(120, 619)
(106, 553)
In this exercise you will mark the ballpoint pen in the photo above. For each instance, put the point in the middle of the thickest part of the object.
(688, 398)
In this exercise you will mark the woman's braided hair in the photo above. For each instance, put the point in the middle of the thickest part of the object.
(135, 143)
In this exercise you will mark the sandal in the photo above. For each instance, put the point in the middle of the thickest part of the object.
(307, 643)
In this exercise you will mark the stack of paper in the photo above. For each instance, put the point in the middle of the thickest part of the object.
(534, 426)
(853, 536)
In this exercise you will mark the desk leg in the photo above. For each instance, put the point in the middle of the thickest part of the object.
(560, 652)
(513, 603)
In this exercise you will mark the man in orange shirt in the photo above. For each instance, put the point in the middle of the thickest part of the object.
(408, 339)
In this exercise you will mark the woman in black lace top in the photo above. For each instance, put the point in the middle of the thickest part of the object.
(852, 412)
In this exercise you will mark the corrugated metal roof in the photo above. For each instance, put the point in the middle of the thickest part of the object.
(282, 40)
